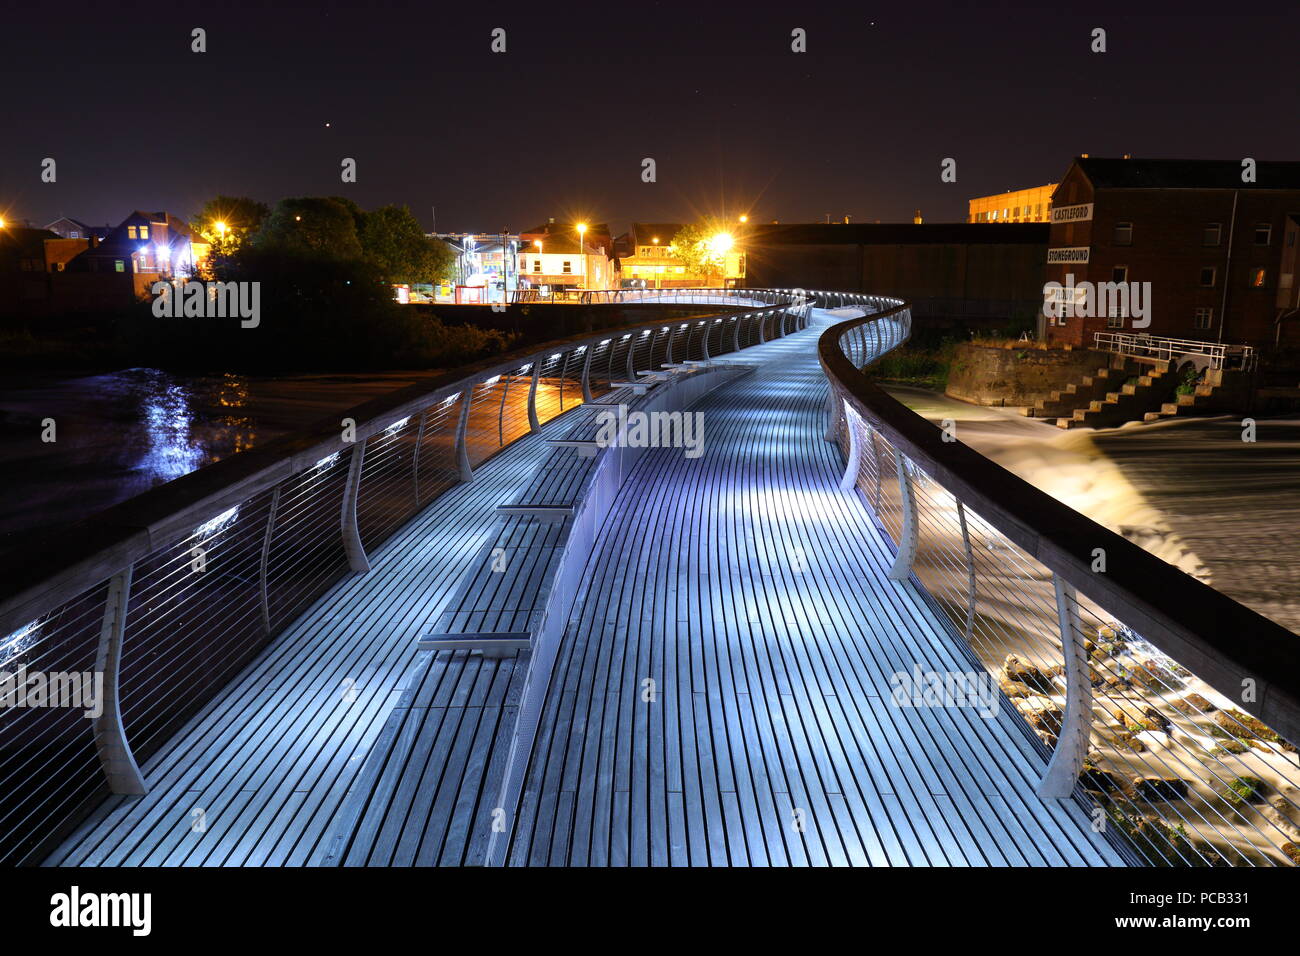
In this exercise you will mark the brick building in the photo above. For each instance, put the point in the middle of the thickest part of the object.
(1219, 253)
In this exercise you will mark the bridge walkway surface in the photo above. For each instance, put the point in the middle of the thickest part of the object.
(721, 696)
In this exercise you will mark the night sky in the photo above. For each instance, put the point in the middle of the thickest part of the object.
(559, 124)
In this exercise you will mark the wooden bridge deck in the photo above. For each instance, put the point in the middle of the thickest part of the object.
(742, 583)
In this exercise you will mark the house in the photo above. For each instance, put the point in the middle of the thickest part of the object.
(646, 254)
(23, 285)
(562, 256)
(67, 228)
(147, 245)
(1212, 243)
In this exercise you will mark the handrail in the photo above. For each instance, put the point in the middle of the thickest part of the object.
(1169, 608)
(95, 548)
(1166, 706)
(1159, 347)
(214, 564)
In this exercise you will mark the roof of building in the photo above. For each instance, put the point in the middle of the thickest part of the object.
(24, 242)
(1186, 174)
(899, 233)
(643, 232)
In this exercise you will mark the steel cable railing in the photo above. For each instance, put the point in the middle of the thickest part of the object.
(1145, 687)
(187, 584)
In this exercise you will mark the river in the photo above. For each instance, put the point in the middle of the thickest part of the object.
(121, 433)
(1190, 491)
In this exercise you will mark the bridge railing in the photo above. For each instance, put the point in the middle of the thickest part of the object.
(166, 597)
(1167, 707)
(1219, 355)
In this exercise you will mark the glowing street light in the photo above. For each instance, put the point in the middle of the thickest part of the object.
(721, 243)
(744, 219)
(221, 227)
(2, 223)
(582, 251)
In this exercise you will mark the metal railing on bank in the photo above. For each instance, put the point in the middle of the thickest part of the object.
(169, 595)
(1168, 708)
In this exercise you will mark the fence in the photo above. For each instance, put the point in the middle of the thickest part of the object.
(1165, 705)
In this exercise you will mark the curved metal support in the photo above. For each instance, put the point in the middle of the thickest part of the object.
(708, 327)
(762, 328)
(631, 356)
(265, 560)
(533, 424)
(352, 546)
(735, 334)
(971, 594)
(586, 376)
(851, 468)
(902, 566)
(1076, 726)
(115, 756)
(415, 459)
(462, 423)
(672, 332)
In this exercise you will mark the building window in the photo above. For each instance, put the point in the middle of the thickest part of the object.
(1119, 274)
(537, 265)
(1203, 318)
(74, 234)
(1263, 233)
(1207, 277)
(1123, 233)
(130, 232)
(567, 269)
(1114, 321)
(1257, 278)
(119, 265)
(1213, 233)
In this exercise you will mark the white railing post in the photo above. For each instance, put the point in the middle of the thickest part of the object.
(352, 546)
(586, 376)
(735, 334)
(851, 468)
(907, 535)
(970, 572)
(263, 565)
(1076, 726)
(115, 757)
(462, 451)
(533, 424)
(708, 324)
(415, 462)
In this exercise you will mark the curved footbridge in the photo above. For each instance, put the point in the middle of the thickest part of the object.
(530, 646)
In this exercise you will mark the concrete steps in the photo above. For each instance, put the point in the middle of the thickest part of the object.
(1136, 400)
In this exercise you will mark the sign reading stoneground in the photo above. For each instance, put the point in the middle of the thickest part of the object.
(1068, 254)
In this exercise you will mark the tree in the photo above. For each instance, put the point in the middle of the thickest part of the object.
(703, 247)
(393, 241)
(225, 221)
(312, 226)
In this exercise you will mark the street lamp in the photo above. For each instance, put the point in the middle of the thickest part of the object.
(582, 251)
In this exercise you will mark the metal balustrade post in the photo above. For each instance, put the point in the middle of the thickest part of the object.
(1076, 726)
(415, 461)
(908, 535)
(462, 423)
(970, 572)
(668, 354)
(263, 564)
(762, 328)
(587, 397)
(501, 410)
(735, 334)
(833, 406)
(352, 546)
(708, 324)
(854, 464)
(533, 424)
(631, 355)
(115, 756)
(880, 471)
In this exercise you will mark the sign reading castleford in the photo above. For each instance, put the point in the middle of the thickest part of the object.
(1080, 213)
(1068, 254)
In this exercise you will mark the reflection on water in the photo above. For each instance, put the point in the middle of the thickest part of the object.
(122, 433)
